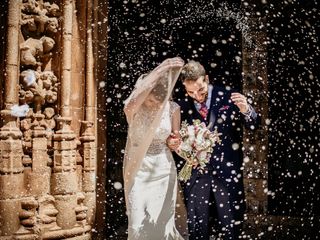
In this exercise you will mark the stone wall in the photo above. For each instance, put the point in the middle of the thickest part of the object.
(256, 145)
(255, 84)
(48, 153)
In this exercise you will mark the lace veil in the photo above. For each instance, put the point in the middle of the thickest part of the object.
(143, 123)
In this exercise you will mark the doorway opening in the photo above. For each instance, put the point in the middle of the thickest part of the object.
(144, 33)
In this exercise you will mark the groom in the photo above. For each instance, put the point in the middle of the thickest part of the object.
(217, 192)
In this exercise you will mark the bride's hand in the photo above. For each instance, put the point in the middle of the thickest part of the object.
(173, 141)
(169, 63)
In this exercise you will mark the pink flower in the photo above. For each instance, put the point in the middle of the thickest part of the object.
(196, 146)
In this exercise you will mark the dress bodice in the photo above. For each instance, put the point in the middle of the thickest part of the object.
(143, 121)
(164, 129)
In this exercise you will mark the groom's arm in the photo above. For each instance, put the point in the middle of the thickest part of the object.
(248, 114)
(251, 118)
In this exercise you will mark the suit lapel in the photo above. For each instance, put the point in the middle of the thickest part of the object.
(214, 107)
(195, 114)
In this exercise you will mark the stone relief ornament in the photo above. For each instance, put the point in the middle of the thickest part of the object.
(38, 88)
(47, 213)
(43, 195)
(25, 126)
(31, 6)
(28, 217)
(37, 216)
(81, 210)
(52, 10)
(38, 19)
(34, 51)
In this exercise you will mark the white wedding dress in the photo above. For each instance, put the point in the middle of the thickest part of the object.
(152, 198)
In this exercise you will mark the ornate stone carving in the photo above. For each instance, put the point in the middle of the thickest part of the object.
(89, 168)
(81, 210)
(38, 88)
(49, 114)
(25, 126)
(10, 145)
(39, 19)
(88, 141)
(34, 51)
(65, 147)
(47, 185)
(47, 213)
(37, 217)
(28, 214)
(52, 9)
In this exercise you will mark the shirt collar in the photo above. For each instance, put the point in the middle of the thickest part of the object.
(208, 101)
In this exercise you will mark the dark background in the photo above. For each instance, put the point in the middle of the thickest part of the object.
(138, 43)
(293, 67)
(134, 50)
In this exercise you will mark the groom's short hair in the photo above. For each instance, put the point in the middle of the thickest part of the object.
(192, 71)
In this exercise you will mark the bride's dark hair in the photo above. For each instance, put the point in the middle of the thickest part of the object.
(160, 90)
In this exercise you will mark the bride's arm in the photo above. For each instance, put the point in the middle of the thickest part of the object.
(138, 95)
(145, 83)
(176, 121)
(174, 140)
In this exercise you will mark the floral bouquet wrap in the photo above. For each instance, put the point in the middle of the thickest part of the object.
(196, 147)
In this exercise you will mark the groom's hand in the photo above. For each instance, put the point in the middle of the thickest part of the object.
(240, 101)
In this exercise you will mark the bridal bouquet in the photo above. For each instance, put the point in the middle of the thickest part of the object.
(196, 146)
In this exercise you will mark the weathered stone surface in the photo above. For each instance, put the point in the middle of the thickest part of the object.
(64, 183)
(90, 202)
(12, 186)
(37, 183)
(47, 182)
(66, 206)
(89, 181)
(9, 216)
(10, 156)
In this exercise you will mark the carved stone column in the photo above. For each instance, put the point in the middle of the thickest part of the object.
(11, 168)
(11, 174)
(47, 165)
(88, 137)
(64, 177)
(66, 57)
(89, 169)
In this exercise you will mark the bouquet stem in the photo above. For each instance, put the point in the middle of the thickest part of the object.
(185, 173)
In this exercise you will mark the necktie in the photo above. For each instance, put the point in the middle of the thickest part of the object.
(203, 110)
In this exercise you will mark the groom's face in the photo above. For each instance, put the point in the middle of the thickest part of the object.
(198, 90)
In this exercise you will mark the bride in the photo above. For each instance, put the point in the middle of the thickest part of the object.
(150, 179)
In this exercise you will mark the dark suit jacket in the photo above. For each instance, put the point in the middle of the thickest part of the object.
(226, 161)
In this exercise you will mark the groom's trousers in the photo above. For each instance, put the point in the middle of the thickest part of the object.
(205, 193)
